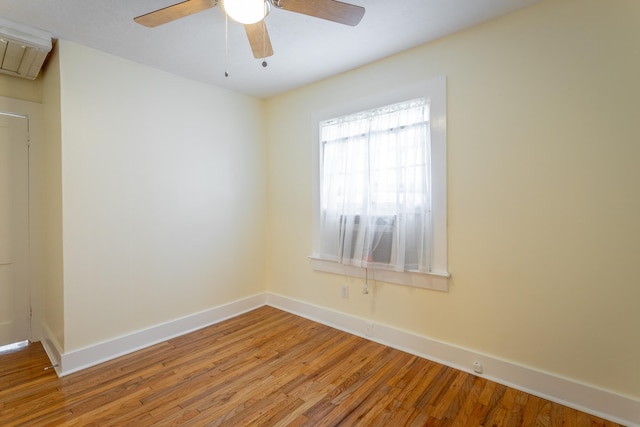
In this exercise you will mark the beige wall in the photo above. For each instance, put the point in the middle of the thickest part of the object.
(19, 88)
(53, 277)
(542, 192)
(163, 196)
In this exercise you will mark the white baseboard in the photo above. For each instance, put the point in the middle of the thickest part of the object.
(51, 347)
(77, 360)
(584, 397)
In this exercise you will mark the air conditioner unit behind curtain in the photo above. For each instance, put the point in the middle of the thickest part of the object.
(382, 237)
(23, 49)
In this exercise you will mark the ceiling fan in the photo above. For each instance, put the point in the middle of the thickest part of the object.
(251, 14)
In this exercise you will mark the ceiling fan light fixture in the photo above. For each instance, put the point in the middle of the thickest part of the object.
(246, 11)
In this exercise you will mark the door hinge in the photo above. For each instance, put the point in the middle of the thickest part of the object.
(30, 312)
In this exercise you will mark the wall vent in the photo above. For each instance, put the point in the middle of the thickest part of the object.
(23, 49)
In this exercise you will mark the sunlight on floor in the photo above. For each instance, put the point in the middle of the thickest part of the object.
(14, 347)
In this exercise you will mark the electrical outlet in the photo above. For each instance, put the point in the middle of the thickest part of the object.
(477, 367)
(345, 291)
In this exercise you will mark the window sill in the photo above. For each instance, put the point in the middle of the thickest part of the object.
(433, 281)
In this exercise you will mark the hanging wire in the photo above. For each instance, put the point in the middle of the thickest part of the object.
(365, 288)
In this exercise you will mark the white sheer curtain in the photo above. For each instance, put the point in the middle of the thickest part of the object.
(375, 188)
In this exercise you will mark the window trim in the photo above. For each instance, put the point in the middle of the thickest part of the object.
(435, 91)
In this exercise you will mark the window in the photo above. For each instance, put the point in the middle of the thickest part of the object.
(375, 197)
(380, 190)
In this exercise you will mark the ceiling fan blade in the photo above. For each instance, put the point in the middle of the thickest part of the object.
(177, 11)
(331, 10)
(259, 39)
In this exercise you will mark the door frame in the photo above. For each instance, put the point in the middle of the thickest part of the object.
(20, 329)
(33, 113)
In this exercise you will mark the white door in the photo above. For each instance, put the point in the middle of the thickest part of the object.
(14, 230)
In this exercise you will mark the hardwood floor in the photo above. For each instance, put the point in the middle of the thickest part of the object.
(271, 368)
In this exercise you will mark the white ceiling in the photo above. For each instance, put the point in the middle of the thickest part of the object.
(305, 49)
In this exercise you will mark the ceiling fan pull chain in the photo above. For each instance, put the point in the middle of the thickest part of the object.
(264, 43)
(226, 45)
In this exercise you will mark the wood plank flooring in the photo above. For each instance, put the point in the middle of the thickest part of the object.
(266, 368)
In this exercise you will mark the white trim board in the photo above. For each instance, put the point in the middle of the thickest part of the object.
(583, 397)
(51, 347)
(586, 398)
